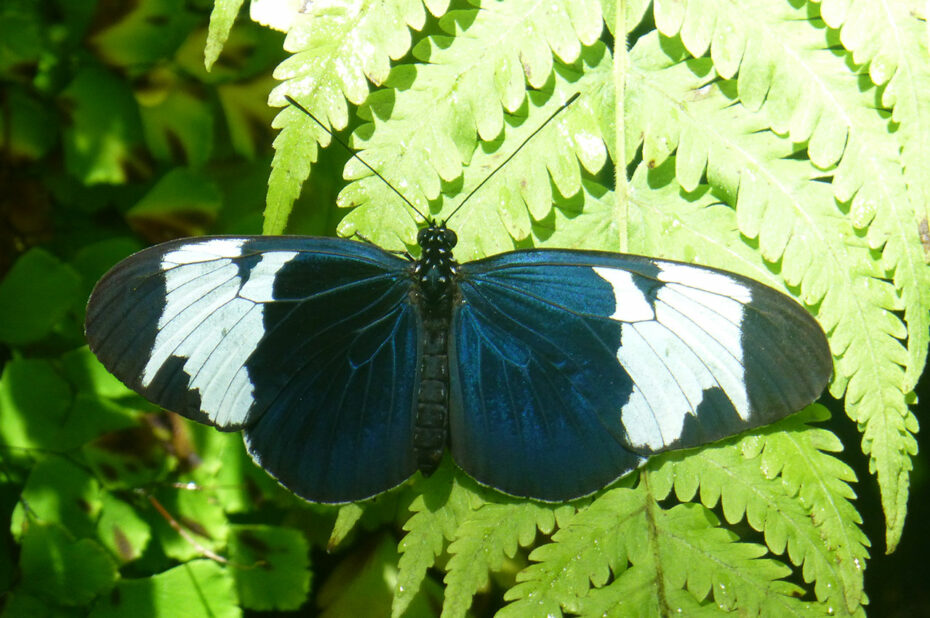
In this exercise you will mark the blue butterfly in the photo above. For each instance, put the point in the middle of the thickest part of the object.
(548, 373)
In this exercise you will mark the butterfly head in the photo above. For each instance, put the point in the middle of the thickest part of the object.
(436, 236)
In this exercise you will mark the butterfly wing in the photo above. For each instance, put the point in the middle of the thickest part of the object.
(308, 344)
(572, 367)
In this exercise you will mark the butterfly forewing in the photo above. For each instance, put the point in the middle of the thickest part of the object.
(574, 366)
(309, 344)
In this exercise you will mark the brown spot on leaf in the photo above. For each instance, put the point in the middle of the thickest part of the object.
(924, 230)
(254, 543)
(194, 526)
(123, 546)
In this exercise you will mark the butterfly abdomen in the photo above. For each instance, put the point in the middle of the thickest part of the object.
(432, 421)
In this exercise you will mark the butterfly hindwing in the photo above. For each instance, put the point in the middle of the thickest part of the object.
(571, 367)
(309, 344)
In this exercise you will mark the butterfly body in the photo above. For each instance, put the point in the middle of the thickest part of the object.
(434, 273)
(548, 373)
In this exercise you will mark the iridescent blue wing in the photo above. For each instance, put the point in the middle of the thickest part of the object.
(308, 344)
(571, 367)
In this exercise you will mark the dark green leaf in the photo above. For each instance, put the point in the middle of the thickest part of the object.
(34, 401)
(360, 585)
(91, 261)
(30, 126)
(87, 375)
(57, 491)
(271, 567)
(104, 127)
(196, 511)
(200, 588)
(20, 603)
(179, 124)
(34, 296)
(144, 32)
(182, 203)
(58, 568)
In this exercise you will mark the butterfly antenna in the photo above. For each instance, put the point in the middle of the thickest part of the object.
(571, 100)
(355, 154)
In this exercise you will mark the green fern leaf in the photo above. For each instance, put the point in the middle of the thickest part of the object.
(346, 519)
(735, 573)
(779, 53)
(696, 233)
(589, 546)
(221, 22)
(878, 179)
(783, 483)
(804, 507)
(818, 249)
(662, 548)
(761, 153)
(503, 211)
(820, 483)
(634, 595)
(482, 541)
(437, 513)
(892, 41)
(335, 49)
(789, 69)
(434, 123)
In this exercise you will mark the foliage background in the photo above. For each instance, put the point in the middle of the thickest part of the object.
(114, 136)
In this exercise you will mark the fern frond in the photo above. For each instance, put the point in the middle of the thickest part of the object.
(437, 514)
(820, 482)
(589, 547)
(662, 548)
(805, 485)
(634, 595)
(221, 23)
(697, 231)
(798, 226)
(698, 227)
(336, 50)
(483, 539)
(891, 40)
(427, 130)
(788, 67)
(779, 52)
(735, 573)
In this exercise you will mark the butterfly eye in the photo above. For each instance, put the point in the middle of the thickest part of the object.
(450, 238)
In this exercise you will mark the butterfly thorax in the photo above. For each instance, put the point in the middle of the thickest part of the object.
(436, 267)
(435, 290)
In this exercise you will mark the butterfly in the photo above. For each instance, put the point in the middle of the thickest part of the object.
(547, 373)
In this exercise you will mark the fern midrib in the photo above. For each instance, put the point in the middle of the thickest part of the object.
(653, 533)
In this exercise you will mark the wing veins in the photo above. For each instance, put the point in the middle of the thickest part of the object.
(333, 325)
(581, 318)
